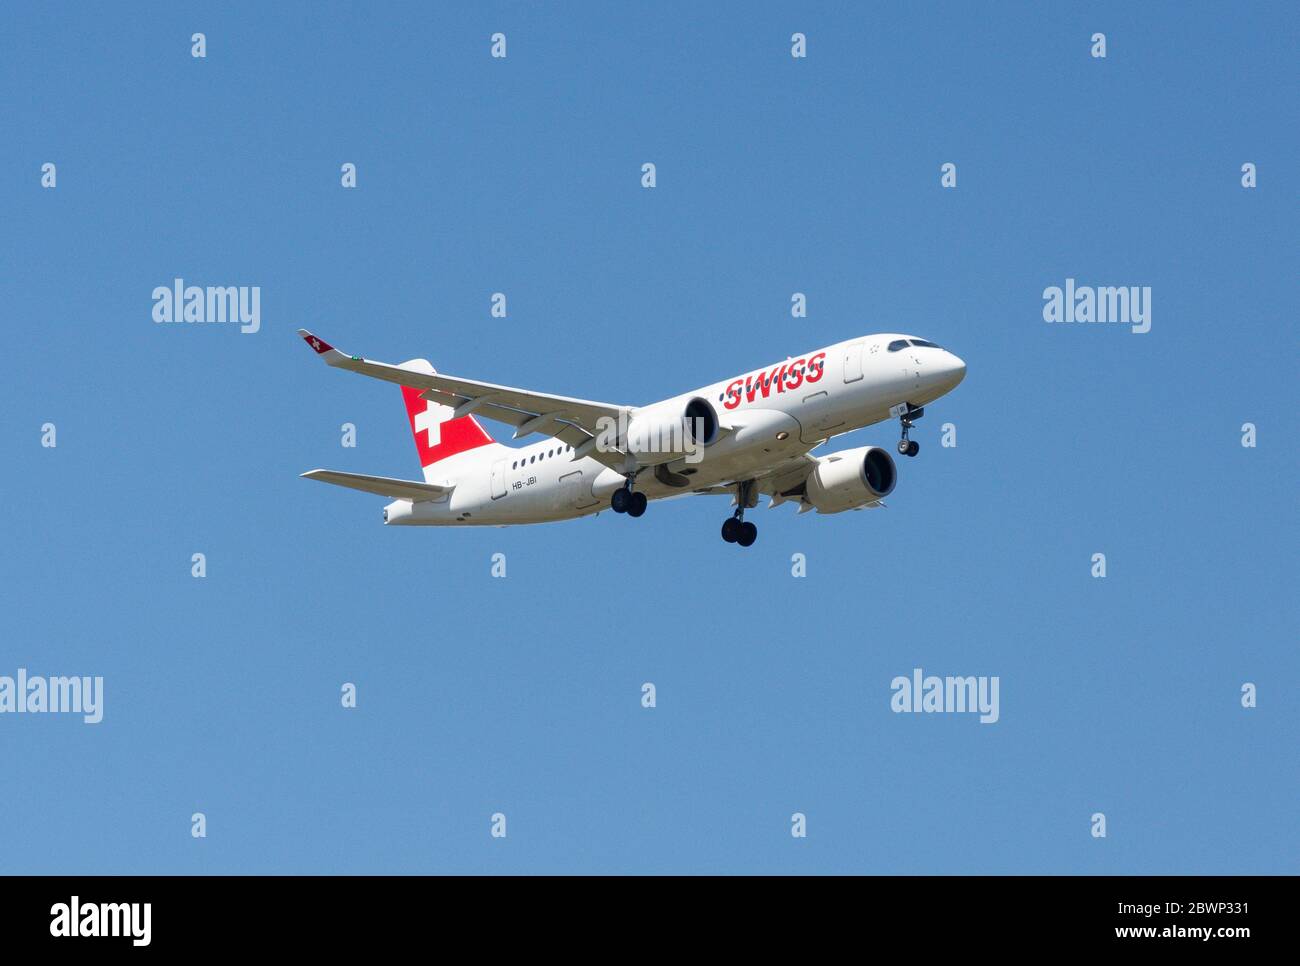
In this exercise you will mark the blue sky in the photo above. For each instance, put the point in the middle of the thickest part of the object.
(479, 695)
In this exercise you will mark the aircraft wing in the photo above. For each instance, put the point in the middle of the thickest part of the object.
(573, 421)
(382, 485)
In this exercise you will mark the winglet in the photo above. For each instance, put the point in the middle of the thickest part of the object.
(322, 348)
(316, 342)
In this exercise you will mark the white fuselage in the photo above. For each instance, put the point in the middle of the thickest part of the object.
(771, 416)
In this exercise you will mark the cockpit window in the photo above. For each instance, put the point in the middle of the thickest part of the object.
(897, 344)
(925, 345)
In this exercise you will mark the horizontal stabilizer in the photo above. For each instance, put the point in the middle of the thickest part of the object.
(383, 485)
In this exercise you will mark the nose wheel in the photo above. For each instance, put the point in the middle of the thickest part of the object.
(629, 501)
(907, 416)
(736, 529)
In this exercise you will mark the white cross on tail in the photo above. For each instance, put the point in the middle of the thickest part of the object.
(430, 421)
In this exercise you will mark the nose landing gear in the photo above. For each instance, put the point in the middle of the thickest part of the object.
(907, 416)
(735, 529)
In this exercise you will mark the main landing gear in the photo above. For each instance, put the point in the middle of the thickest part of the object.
(908, 416)
(735, 529)
(627, 500)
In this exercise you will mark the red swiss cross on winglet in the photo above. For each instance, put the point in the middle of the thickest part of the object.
(317, 343)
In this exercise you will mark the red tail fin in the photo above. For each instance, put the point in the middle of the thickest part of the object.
(437, 435)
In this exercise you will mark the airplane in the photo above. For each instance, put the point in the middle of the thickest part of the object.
(746, 436)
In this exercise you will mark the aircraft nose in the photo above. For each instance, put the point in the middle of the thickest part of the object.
(951, 371)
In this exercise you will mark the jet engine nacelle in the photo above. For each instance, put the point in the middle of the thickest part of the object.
(668, 431)
(850, 478)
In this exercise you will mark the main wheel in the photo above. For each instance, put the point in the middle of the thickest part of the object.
(748, 534)
(903, 447)
(619, 501)
(913, 448)
(730, 529)
(637, 504)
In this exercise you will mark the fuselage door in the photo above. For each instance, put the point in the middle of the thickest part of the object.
(498, 479)
(853, 362)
